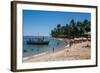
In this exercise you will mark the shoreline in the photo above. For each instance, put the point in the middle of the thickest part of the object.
(77, 51)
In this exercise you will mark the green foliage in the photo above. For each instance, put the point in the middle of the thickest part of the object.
(72, 30)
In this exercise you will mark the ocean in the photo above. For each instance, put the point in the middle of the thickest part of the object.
(35, 50)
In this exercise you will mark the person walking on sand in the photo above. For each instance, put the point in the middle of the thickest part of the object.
(67, 52)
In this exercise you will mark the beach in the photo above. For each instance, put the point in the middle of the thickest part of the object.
(77, 51)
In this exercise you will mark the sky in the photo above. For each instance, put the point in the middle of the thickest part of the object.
(42, 22)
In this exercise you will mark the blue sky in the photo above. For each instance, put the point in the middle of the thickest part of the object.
(42, 22)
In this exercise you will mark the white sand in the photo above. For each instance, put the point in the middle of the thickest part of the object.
(77, 51)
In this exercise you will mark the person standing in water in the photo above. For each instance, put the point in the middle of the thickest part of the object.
(53, 49)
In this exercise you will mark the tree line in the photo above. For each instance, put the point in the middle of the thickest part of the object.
(74, 29)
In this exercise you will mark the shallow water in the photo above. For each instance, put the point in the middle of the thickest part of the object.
(30, 50)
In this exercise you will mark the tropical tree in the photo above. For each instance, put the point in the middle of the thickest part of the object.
(72, 30)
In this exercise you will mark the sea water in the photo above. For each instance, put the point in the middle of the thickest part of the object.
(35, 50)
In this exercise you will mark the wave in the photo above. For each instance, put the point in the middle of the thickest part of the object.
(25, 58)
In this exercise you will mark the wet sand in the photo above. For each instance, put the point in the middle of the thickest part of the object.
(78, 51)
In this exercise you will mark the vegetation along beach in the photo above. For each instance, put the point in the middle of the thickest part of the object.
(62, 41)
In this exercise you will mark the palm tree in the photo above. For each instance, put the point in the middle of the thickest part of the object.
(72, 26)
(72, 30)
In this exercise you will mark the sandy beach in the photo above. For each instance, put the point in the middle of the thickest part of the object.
(78, 51)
